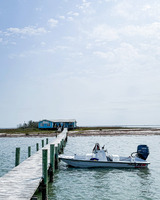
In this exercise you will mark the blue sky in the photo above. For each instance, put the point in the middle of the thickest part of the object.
(94, 61)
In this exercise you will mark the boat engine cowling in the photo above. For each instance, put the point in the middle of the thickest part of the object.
(142, 151)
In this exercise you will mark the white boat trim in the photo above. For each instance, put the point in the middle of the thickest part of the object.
(100, 158)
(101, 164)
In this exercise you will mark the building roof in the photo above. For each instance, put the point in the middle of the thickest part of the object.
(60, 120)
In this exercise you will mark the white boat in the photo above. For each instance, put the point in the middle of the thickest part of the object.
(100, 158)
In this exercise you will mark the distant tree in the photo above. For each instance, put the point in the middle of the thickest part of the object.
(25, 125)
(30, 124)
(19, 125)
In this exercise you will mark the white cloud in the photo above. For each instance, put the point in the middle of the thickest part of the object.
(137, 10)
(149, 30)
(1, 39)
(73, 13)
(126, 53)
(39, 9)
(30, 30)
(123, 57)
(85, 6)
(152, 10)
(62, 17)
(43, 43)
(13, 43)
(70, 18)
(104, 33)
(109, 56)
(124, 9)
(52, 22)
(70, 39)
(146, 7)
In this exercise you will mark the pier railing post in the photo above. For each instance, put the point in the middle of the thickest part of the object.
(37, 147)
(42, 143)
(66, 137)
(64, 142)
(52, 163)
(29, 151)
(62, 145)
(17, 156)
(56, 157)
(59, 149)
(46, 140)
(44, 174)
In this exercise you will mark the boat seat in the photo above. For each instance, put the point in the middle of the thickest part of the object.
(108, 158)
(114, 158)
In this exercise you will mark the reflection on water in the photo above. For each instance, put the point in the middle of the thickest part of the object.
(75, 183)
(144, 173)
(103, 184)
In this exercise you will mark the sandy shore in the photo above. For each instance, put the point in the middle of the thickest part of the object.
(28, 134)
(115, 132)
(100, 132)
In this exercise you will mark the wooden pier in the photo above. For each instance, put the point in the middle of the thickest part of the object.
(23, 180)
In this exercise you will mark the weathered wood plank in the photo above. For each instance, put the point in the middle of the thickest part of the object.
(22, 181)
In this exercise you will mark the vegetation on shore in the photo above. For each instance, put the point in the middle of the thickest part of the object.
(27, 131)
(37, 130)
(31, 128)
(26, 128)
(32, 131)
(30, 125)
(99, 128)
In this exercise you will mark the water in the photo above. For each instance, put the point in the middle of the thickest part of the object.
(101, 184)
(8, 147)
(109, 184)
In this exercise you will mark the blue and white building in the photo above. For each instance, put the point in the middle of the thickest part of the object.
(54, 124)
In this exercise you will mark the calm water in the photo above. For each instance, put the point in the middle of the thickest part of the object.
(8, 147)
(107, 184)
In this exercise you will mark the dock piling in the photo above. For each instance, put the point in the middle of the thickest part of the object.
(46, 140)
(56, 157)
(37, 147)
(44, 174)
(29, 151)
(66, 138)
(63, 145)
(52, 163)
(17, 157)
(42, 143)
(59, 148)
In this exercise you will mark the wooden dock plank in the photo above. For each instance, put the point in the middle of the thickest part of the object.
(22, 181)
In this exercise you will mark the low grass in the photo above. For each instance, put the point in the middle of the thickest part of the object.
(101, 128)
(26, 131)
(29, 131)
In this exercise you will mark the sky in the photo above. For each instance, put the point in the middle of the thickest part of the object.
(96, 61)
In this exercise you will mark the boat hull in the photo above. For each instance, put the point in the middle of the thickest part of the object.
(103, 164)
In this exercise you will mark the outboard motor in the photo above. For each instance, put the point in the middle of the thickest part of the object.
(142, 151)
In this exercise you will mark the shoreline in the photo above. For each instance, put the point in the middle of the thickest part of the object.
(12, 135)
(91, 132)
(116, 132)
